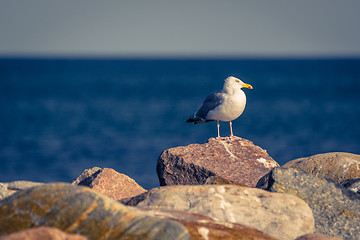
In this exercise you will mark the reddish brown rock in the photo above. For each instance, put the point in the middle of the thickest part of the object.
(316, 236)
(337, 166)
(235, 159)
(43, 233)
(110, 183)
(203, 227)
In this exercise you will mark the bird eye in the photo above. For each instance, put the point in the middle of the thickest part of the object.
(237, 81)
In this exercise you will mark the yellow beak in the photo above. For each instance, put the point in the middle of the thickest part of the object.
(247, 86)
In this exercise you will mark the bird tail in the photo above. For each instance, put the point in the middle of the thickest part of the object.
(197, 120)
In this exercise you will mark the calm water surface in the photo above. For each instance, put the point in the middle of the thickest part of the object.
(59, 117)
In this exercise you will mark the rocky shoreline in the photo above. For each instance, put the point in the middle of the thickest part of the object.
(223, 189)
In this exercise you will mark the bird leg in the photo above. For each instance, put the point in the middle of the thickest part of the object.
(231, 131)
(218, 129)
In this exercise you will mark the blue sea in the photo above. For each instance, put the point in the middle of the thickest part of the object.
(61, 116)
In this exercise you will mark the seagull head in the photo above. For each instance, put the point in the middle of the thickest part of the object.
(235, 83)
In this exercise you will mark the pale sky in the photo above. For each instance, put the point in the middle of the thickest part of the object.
(180, 28)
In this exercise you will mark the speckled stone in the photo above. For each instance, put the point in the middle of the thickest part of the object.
(235, 159)
(336, 210)
(337, 166)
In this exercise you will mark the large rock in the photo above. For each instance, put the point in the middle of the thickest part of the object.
(236, 159)
(280, 215)
(83, 211)
(109, 182)
(203, 227)
(42, 233)
(336, 210)
(338, 166)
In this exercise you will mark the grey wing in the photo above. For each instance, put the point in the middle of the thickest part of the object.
(211, 101)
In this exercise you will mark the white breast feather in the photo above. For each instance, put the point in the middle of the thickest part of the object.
(232, 107)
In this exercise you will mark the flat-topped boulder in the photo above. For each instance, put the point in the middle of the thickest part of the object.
(281, 216)
(235, 159)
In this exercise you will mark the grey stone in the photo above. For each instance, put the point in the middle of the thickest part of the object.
(336, 210)
(337, 166)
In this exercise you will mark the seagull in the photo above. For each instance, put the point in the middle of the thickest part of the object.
(225, 105)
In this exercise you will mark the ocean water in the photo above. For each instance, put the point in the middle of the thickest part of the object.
(61, 116)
